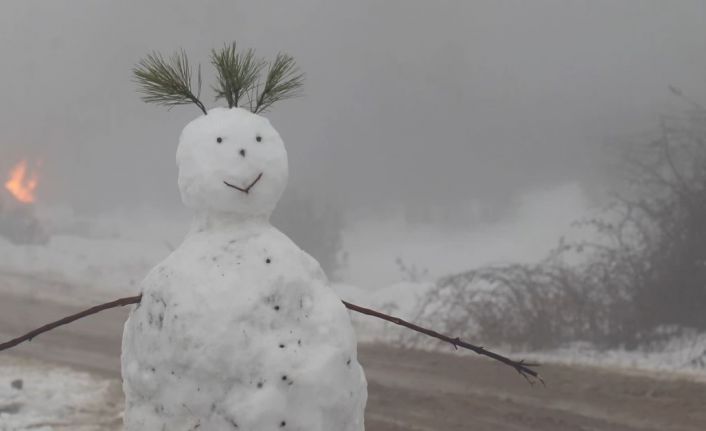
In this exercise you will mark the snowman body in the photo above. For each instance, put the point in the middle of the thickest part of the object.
(238, 328)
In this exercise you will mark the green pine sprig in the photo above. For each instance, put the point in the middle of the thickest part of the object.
(283, 81)
(167, 82)
(237, 73)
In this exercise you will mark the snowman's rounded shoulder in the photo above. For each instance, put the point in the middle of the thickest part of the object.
(291, 255)
(162, 275)
(265, 255)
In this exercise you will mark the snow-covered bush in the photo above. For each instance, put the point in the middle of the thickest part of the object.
(644, 268)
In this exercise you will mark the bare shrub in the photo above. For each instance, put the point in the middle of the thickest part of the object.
(644, 268)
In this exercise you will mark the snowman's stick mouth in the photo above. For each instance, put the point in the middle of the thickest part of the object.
(245, 190)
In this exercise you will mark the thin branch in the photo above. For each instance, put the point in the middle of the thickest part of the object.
(523, 368)
(68, 319)
(245, 190)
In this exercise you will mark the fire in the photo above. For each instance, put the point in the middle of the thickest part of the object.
(22, 183)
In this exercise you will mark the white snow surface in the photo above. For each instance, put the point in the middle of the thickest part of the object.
(239, 328)
(266, 343)
(684, 354)
(234, 147)
(49, 398)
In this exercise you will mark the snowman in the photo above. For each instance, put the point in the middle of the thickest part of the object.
(238, 329)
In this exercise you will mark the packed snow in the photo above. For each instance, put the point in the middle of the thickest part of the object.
(37, 396)
(238, 327)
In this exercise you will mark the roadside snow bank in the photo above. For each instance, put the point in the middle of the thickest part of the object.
(93, 257)
(103, 264)
(683, 353)
(39, 397)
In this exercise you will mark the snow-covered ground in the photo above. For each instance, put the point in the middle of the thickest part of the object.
(40, 397)
(685, 354)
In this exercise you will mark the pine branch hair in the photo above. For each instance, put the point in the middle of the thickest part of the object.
(168, 82)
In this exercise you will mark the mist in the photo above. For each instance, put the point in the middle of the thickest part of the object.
(526, 176)
(407, 103)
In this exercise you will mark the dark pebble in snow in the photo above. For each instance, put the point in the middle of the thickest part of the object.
(17, 384)
(10, 409)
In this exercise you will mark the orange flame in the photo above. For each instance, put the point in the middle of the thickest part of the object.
(21, 183)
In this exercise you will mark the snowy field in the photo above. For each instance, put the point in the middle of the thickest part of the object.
(40, 397)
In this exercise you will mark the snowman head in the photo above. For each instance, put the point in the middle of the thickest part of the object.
(231, 161)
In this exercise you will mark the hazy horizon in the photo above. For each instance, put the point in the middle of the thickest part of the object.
(406, 104)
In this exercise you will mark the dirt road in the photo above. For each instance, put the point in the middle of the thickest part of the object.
(419, 391)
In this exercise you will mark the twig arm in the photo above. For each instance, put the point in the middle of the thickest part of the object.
(68, 319)
(521, 367)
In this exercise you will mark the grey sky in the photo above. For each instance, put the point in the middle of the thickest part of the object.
(411, 102)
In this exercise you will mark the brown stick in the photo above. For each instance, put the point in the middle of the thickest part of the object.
(520, 366)
(68, 319)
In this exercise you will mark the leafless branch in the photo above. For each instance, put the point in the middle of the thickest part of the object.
(68, 319)
(521, 367)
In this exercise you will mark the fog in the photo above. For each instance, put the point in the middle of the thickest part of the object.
(440, 156)
(407, 103)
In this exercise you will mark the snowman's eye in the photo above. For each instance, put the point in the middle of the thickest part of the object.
(258, 138)
(219, 139)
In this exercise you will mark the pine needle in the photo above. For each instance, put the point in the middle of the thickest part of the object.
(283, 81)
(167, 82)
(237, 73)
